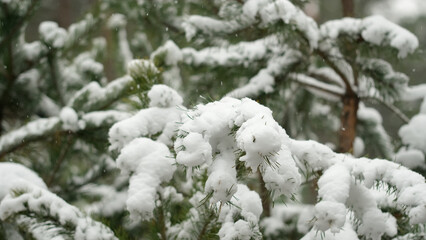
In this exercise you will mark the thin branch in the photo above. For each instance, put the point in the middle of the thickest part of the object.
(325, 78)
(331, 64)
(336, 69)
(316, 87)
(391, 107)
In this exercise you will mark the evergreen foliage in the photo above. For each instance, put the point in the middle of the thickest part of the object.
(215, 120)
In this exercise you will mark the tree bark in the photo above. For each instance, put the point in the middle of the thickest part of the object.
(348, 8)
(348, 122)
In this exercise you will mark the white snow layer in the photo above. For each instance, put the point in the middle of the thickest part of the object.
(69, 119)
(161, 117)
(288, 218)
(93, 95)
(163, 96)
(141, 69)
(397, 10)
(249, 205)
(12, 172)
(149, 163)
(411, 158)
(375, 30)
(331, 210)
(52, 34)
(217, 135)
(32, 198)
(262, 12)
(209, 129)
(414, 133)
(34, 129)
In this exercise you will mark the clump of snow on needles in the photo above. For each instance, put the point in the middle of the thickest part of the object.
(11, 172)
(163, 96)
(52, 34)
(414, 133)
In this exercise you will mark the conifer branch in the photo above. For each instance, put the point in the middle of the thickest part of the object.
(336, 69)
(320, 87)
(404, 118)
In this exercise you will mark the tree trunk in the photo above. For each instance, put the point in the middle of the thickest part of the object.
(348, 122)
(64, 13)
(348, 8)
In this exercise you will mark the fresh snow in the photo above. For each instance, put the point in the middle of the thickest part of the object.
(375, 30)
(12, 172)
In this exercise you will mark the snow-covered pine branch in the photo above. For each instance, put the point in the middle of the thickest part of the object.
(27, 203)
(73, 118)
(217, 136)
(253, 12)
(375, 30)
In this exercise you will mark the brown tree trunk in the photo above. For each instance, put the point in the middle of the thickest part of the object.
(64, 13)
(348, 8)
(348, 122)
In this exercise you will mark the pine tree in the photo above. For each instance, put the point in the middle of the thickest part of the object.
(216, 133)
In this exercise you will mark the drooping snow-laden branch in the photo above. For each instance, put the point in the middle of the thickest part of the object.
(26, 202)
(148, 162)
(316, 156)
(280, 59)
(205, 138)
(161, 117)
(246, 127)
(94, 97)
(409, 186)
(260, 13)
(375, 30)
(210, 135)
